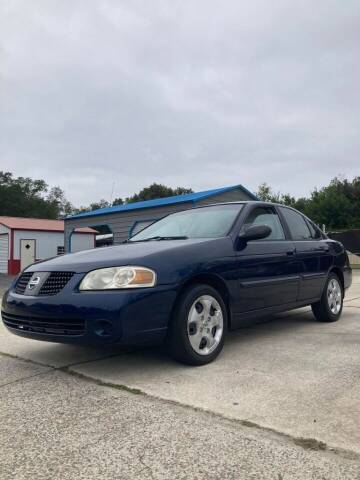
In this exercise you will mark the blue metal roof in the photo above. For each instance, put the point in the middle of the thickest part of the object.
(161, 202)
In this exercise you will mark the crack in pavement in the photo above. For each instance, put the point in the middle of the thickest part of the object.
(42, 364)
(304, 443)
(350, 299)
(25, 378)
(145, 465)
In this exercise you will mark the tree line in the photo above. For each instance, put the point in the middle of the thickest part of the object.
(25, 197)
(336, 205)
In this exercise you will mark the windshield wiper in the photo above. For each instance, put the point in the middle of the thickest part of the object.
(158, 238)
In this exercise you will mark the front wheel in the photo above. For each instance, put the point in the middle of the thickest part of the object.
(197, 330)
(330, 306)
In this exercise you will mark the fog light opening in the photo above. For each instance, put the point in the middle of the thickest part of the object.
(103, 328)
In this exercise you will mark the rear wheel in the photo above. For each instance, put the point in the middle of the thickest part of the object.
(329, 308)
(197, 330)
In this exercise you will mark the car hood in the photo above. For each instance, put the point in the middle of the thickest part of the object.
(142, 253)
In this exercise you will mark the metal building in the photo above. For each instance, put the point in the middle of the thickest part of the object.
(124, 221)
(26, 240)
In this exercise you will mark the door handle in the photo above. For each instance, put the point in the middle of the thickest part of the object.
(290, 252)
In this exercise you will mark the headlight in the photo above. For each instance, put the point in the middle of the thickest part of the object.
(118, 277)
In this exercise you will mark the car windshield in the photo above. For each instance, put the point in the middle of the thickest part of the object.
(207, 222)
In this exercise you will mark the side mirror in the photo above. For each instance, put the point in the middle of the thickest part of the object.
(255, 232)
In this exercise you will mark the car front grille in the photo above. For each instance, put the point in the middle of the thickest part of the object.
(22, 282)
(48, 325)
(55, 283)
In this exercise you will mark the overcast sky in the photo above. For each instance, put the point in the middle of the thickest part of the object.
(195, 93)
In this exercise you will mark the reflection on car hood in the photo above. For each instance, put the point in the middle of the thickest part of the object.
(131, 253)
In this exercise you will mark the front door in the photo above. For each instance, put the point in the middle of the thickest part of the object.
(267, 268)
(27, 253)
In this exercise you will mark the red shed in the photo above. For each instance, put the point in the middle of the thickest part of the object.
(26, 240)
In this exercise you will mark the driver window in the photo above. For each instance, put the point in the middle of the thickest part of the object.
(266, 216)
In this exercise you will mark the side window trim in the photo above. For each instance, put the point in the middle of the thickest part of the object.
(316, 229)
(274, 211)
(284, 224)
(283, 207)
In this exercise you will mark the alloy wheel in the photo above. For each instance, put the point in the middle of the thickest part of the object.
(334, 296)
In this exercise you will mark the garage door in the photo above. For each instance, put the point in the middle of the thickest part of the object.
(4, 250)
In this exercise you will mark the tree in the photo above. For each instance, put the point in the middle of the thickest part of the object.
(155, 190)
(266, 194)
(93, 206)
(56, 198)
(118, 201)
(25, 197)
(337, 205)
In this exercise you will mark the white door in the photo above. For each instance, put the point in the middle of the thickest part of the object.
(4, 253)
(27, 253)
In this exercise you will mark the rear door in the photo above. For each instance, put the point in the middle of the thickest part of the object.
(267, 271)
(312, 253)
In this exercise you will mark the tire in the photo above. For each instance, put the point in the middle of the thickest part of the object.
(198, 327)
(330, 306)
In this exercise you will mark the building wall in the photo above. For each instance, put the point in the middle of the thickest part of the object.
(47, 242)
(81, 241)
(6, 230)
(46, 245)
(4, 252)
(4, 249)
(120, 223)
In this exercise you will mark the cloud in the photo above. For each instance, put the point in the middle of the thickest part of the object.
(199, 94)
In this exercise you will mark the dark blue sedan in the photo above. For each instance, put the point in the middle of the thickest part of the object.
(186, 280)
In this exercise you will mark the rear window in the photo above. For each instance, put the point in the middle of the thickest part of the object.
(297, 224)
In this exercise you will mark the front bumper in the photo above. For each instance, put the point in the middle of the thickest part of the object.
(107, 317)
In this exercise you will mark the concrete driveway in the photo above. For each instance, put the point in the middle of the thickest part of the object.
(293, 379)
